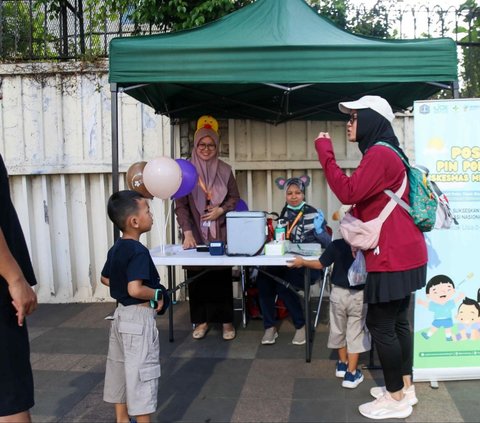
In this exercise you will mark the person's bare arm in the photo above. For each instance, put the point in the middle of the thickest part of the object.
(136, 289)
(189, 240)
(23, 296)
(299, 261)
(422, 302)
(185, 221)
(105, 281)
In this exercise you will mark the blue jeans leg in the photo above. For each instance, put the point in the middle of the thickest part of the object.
(291, 298)
(266, 298)
(268, 289)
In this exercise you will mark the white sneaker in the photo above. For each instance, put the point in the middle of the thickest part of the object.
(269, 336)
(299, 338)
(386, 407)
(352, 380)
(340, 369)
(378, 391)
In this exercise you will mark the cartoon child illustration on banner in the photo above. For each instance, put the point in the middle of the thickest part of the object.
(440, 301)
(468, 320)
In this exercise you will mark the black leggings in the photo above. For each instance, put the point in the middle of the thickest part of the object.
(390, 329)
(211, 296)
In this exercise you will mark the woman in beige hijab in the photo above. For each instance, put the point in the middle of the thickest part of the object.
(201, 216)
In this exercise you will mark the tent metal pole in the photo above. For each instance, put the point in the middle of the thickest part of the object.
(172, 204)
(455, 91)
(442, 86)
(285, 88)
(172, 283)
(115, 178)
(133, 87)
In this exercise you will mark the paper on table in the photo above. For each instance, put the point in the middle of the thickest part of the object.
(169, 249)
(307, 249)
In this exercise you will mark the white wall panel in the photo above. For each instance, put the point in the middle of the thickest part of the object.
(60, 237)
(55, 133)
(288, 150)
(99, 237)
(42, 241)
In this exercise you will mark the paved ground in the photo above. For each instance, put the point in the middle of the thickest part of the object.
(212, 380)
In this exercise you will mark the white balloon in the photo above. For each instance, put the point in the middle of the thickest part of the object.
(162, 177)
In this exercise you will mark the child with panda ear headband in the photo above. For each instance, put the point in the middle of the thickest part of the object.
(305, 224)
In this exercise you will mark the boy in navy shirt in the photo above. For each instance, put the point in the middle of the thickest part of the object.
(347, 310)
(133, 362)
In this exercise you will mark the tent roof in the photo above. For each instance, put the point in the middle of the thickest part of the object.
(275, 60)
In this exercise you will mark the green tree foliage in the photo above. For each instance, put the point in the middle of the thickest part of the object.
(163, 15)
(180, 14)
(336, 10)
(21, 32)
(24, 34)
(470, 71)
(15, 37)
(357, 19)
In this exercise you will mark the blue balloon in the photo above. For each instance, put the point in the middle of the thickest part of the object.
(189, 178)
(241, 205)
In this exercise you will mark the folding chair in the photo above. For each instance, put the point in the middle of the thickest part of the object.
(324, 284)
(243, 307)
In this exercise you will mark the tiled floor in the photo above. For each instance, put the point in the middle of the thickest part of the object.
(212, 380)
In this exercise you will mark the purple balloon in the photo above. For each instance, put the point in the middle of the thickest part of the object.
(241, 205)
(189, 178)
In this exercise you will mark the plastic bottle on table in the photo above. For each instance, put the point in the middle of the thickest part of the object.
(280, 230)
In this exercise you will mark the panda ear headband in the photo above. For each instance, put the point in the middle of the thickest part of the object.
(302, 182)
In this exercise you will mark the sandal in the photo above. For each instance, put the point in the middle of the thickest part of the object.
(228, 334)
(200, 331)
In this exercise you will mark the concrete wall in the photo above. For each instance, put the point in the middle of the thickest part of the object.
(56, 141)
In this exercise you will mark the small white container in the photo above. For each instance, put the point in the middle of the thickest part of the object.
(276, 248)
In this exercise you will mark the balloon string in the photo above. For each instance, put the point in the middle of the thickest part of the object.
(162, 227)
(166, 221)
(159, 226)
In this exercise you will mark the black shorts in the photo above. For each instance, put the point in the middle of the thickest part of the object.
(16, 379)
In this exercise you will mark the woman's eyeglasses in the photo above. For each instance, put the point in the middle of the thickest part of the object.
(203, 146)
(352, 119)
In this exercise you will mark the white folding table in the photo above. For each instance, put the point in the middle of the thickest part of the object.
(174, 255)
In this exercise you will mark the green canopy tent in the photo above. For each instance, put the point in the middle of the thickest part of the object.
(274, 60)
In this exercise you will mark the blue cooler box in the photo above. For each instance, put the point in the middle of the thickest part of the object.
(246, 232)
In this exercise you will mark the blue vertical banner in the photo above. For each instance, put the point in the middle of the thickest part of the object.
(447, 310)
